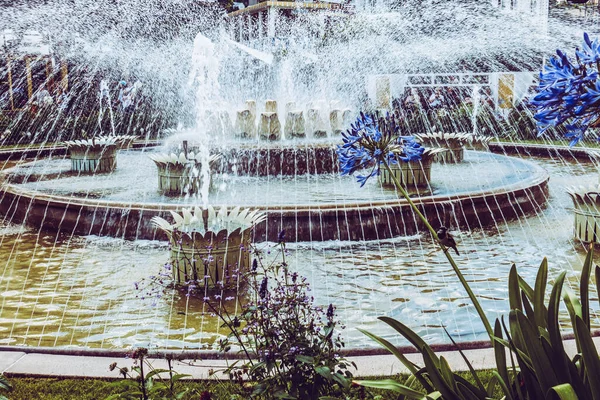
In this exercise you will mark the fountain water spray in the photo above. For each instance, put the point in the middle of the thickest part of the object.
(105, 96)
(204, 80)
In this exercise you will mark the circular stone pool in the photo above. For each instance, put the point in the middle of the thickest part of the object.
(310, 207)
(71, 290)
(65, 290)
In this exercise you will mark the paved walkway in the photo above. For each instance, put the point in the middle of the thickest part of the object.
(32, 364)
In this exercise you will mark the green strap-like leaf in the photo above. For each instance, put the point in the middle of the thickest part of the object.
(590, 356)
(5, 383)
(584, 288)
(390, 384)
(412, 367)
(514, 295)
(445, 388)
(542, 365)
(528, 290)
(392, 349)
(539, 294)
(466, 360)
(597, 275)
(447, 374)
(496, 378)
(573, 307)
(553, 311)
(500, 355)
(527, 307)
(411, 336)
(564, 392)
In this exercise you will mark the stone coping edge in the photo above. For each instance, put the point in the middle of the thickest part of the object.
(545, 150)
(215, 355)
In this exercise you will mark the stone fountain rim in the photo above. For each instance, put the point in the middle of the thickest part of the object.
(538, 177)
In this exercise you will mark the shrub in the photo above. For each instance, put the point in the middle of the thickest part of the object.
(291, 346)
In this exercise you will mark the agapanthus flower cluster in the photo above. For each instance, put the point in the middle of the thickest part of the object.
(569, 92)
(371, 142)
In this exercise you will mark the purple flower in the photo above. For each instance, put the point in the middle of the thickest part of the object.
(569, 92)
(330, 311)
(262, 292)
(367, 147)
(281, 236)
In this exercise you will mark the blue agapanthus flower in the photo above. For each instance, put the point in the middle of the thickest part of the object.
(569, 92)
(367, 145)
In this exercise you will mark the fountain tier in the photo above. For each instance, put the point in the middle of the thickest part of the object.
(485, 188)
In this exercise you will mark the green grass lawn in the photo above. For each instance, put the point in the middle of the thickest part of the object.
(97, 389)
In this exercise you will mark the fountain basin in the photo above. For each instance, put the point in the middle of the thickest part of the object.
(309, 207)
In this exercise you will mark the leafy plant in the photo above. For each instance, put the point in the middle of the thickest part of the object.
(537, 366)
(144, 382)
(4, 386)
(291, 346)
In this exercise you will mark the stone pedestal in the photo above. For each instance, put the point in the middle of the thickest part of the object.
(383, 92)
(94, 159)
(270, 127)
(290, 106)
(271, 106)
(251, 106)
(336, 120)
(211, 261)
(245, 125)
(317, 127)
(294, 125)
(218, 123)
(348, 117)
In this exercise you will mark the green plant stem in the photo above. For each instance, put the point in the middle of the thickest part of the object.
(457, 271)
(171, 384)
(143, 379)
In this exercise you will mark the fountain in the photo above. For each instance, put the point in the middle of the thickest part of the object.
(275, 155)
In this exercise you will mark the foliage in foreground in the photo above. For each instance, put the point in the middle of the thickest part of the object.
(144, 382)
(290, 346)
(537, 366)
(94, 389)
